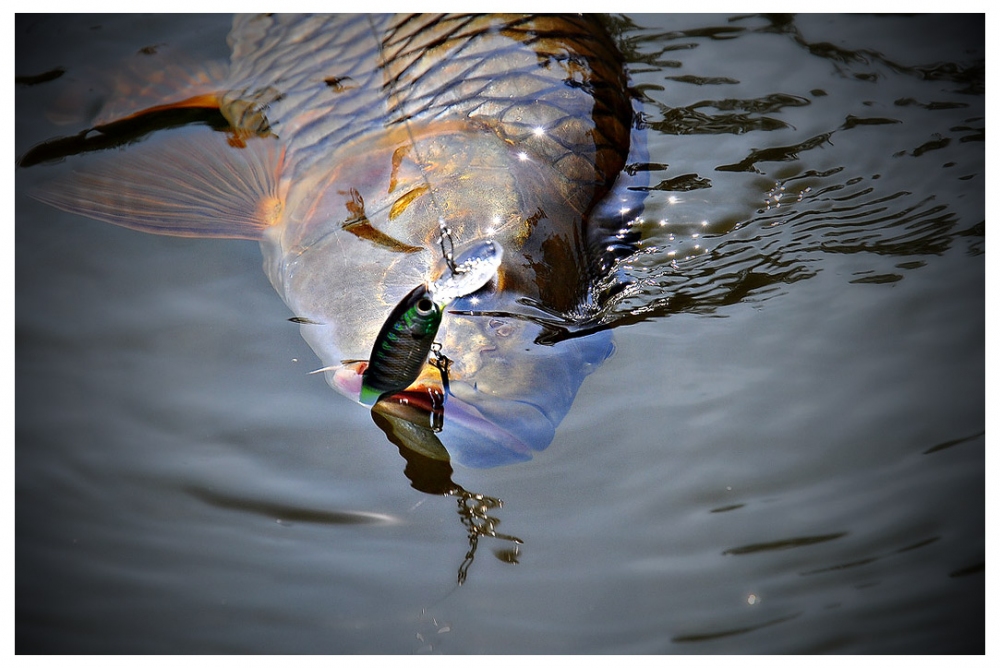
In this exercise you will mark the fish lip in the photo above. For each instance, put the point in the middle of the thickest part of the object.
(426, 397)
(347, 379)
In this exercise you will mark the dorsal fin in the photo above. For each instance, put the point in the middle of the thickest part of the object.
(153, 78)
(161, 77)
(195, 184)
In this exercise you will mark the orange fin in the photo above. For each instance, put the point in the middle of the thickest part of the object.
(202, 101)
(359, 225)
(164, 80)
(161, 78)
(153, 79)
(195, 185)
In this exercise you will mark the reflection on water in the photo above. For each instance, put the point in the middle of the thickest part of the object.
(785, 453)
(819, 199)
(432, 474)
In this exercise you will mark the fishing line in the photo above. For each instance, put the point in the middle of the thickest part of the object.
(445, 239)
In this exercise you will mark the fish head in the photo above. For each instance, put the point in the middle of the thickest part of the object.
(493, 395)
(507, 393)
(371, 231)
(495, 388)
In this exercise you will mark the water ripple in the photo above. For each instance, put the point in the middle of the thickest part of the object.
(701, 637)
(786, 544)
(287, 513)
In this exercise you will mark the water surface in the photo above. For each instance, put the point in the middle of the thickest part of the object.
(785, 453)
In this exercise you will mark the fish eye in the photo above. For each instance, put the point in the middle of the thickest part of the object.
(425, 306)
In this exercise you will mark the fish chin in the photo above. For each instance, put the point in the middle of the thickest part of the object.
(482, 432)
(500, 413)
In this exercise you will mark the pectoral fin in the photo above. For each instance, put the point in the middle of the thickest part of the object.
(193, 184)
(158, 158)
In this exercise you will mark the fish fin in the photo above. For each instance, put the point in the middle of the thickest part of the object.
(158, 78)
(154, 78)
(196, 184)
(359, 225)
(206, 100)
(161, 79)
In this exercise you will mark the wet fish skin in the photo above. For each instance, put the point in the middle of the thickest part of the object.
(523, 169)
(353, 138)
(490, 123)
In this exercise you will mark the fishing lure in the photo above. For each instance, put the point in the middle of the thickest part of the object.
(405, 340)
(402, 345)
(470, 270)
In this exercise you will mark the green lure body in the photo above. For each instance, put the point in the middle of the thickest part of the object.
(404, 342)
(402, 346)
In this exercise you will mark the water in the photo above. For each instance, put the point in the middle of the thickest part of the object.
(785, 453)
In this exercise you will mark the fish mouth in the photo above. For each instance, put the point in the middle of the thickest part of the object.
(455, 421)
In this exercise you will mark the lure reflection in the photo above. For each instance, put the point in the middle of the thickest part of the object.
(477, 512)
(348, 144)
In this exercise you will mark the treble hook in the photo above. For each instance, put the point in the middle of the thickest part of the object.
(442, 363)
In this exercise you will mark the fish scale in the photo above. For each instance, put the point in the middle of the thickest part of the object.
(353, 142)
(311, 116)
(485, 79)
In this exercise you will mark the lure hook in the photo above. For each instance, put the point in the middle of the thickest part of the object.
(442, 363)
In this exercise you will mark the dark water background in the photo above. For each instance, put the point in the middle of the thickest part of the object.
(785, 454)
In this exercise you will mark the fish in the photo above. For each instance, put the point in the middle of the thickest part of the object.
(360, 151)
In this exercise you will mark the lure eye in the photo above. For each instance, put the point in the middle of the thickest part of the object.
(425, 306)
